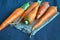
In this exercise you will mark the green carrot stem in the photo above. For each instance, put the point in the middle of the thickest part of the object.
(39, 1)
(25, 6)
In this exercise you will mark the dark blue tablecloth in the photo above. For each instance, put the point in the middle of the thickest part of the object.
(49, 32)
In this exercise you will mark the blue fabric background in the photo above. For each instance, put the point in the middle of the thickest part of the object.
(49, 32)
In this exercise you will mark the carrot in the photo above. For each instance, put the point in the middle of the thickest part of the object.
(17, 13)
(42, 9)
(31, 16)
(49, 13)
(33, 5)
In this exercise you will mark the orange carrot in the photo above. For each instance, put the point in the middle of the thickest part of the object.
(12, 17)
(17, 13)
(33, 5)
(42, 9)
(50, 12)
(31, 16)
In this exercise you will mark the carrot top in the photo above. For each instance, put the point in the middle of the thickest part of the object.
(25, 6)
(39, 1)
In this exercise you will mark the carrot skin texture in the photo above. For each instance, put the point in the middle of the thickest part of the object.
(17, 13)
(32, 15)
(42, 9)
(33, 5)
(12, 17)
(49, 13)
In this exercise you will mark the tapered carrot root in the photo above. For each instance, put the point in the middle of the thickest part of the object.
(33, 5)
(42, 9)
(31, 16)
(12, 17)
(17, 13)
(50, 12)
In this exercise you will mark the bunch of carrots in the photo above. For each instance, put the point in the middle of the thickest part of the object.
(36, 10)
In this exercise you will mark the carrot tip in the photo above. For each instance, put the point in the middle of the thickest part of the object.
(38, 16)
(0, 29)
(32, 29)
